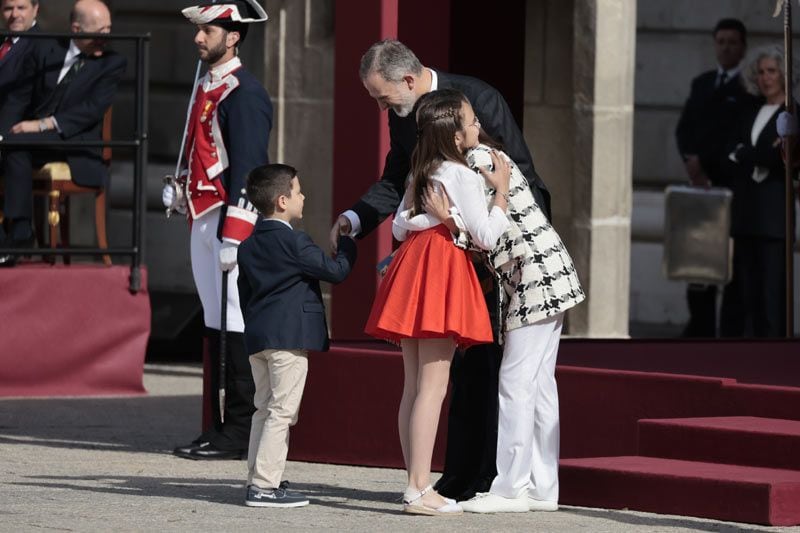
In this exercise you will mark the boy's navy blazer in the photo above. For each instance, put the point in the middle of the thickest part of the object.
(279, 274)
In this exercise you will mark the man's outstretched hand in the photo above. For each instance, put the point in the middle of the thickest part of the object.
(341, 227)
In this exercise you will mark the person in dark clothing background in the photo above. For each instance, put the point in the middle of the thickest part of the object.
(717, 99)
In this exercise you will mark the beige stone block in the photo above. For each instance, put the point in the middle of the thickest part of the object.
(309, 148)
(660, 78)
(655, 150)
(558, 53)
(612, 159)
(602, 257)
(688, 15)
(584, 48)
(535, 44)
(583, 118)
(549, 132)
(614, 53)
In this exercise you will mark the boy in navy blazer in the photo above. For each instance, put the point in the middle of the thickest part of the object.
(284, 317)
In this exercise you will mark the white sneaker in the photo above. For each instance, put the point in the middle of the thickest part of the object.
(541, 505)
(486, 502)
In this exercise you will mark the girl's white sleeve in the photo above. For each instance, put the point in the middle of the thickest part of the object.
(404, 223)
(465, 189)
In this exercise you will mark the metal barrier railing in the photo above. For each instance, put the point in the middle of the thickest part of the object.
(138, 143)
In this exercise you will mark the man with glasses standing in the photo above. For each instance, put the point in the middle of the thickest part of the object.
(67, 86)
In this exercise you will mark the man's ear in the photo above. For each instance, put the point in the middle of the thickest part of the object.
(232, 39)
(410, 81)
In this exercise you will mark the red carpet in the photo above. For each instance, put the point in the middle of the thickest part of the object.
(740, 440)
(709, 490)
(71, 331)
(729, 431)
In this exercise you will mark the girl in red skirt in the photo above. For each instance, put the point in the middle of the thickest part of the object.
(430, 300)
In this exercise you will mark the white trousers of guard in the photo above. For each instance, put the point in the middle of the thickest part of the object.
(207, 274)
(528, 428)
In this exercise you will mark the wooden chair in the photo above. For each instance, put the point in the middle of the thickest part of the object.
(54, 180)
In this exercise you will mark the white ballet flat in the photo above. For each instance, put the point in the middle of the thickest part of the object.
(413, 504)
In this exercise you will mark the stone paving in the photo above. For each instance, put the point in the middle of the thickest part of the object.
(103, 464)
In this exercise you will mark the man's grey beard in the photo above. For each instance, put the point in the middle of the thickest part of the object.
(405, 108)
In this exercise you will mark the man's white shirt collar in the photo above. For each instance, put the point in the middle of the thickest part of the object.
(434, 80)
(72, 56)
(220, 71)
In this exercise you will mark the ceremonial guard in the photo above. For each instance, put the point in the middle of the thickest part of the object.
(226, 136)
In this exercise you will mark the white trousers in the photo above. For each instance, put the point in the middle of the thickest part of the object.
(528, 428)
(280, 377)
(207, 274)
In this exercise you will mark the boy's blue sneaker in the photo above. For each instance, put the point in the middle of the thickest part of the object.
(280, 497)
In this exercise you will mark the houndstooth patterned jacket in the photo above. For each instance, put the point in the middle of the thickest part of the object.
(530, 260)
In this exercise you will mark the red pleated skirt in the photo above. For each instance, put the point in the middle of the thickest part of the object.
(430, 291)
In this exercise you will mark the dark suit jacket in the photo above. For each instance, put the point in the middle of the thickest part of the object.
(11, 66)
(279, 274)
(383, 197)
(80, 112)
(758, 208)
(709, 117)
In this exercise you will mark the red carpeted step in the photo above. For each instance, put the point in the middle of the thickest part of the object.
(709, 490)
(740, 440)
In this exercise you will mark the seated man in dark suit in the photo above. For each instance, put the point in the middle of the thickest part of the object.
(65, 88)
(18, 15)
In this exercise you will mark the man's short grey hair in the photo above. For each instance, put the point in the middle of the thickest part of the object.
(750, 70)
(391, 59)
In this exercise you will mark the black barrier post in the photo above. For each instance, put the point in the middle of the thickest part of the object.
(139, 187)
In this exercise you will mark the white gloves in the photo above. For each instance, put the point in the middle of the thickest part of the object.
(227, 256)
(172, 200)
(786, 124)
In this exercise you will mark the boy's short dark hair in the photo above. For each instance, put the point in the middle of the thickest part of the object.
(731, 24)
(265, 184)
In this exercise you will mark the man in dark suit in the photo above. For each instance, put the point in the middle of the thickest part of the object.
(279, 274)
(65, 89)
(715, 103)
(396, 79)
(18, 15)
